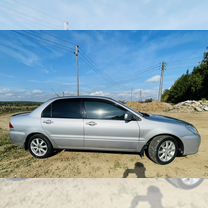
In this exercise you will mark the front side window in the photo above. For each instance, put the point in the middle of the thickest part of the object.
(64, 108)
(98, 109)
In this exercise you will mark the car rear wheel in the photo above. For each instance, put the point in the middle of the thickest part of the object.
(39, 146)
(163, 149)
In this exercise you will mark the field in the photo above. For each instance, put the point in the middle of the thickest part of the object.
(10, 107)
(16, 162)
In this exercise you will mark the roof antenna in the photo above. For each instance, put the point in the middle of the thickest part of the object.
(55, 92)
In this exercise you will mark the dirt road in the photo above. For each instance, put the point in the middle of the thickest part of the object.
(15, 162)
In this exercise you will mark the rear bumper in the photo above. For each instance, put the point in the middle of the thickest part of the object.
(191, 144)
(17, 137)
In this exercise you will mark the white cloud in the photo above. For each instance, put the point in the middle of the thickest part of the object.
(17, 51)
(10, 94)
(101, 14)
(37, 91)
(126, 95)
(153, 79)
(145, 94)
(25, 48)
(99, 93)
(7, 94)
(3, 90)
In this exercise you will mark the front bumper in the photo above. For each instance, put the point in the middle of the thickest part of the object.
(17, 137)
(191, 144)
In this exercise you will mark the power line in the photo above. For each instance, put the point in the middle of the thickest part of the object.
(44, 41)
(124, 82)
(97, 70)
(175, 62)
(64, 41)
(60, 43)
(94, 67)
(142, 72)
(26, 19)
(27, 12)
(65, 48)
(85, 58)
(53, 40)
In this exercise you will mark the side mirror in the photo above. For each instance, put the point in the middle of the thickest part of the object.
(128, 116)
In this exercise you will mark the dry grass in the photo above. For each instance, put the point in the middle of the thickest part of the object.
(150, 107)
(16, 162)
(13, 108)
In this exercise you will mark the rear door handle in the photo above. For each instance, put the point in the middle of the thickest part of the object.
(48, 122)
(91, 123)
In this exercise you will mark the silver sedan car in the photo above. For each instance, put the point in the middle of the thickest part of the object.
(102, 124)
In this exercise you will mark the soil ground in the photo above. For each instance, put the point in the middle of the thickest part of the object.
(16, 162)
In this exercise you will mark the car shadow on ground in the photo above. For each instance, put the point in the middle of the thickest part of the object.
(101, 151)
(139, 170)
(55, 152)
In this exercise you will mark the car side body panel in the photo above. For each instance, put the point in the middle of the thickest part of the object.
(114, 134)
(150, 129)
(65, 133)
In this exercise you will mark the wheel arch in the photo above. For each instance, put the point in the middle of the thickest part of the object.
(32, 134)
(180, 143)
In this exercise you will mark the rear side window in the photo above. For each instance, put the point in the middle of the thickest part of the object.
(47, 112)
(98, 109)
(64, 108)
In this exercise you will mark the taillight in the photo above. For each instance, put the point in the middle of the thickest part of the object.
(10, 125)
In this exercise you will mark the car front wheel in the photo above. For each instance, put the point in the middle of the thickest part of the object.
(39, 146)
(189, 183)
(163, 149)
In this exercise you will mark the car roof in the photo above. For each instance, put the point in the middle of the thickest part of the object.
(82, 96)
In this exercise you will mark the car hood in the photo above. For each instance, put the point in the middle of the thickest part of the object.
(166, 119)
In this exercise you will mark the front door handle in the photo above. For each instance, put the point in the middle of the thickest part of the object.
(91, 123)
(48, 122)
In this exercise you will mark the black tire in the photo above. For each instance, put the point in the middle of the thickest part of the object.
(48, 151)
(154, 146)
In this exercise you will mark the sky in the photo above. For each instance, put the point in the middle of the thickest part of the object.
(38, 65)
(104, 14)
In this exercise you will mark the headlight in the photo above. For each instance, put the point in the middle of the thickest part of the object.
(192, 129)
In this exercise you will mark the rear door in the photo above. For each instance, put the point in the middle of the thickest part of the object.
(63, 122)
(105, 127)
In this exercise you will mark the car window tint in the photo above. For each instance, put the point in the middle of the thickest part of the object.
(66, 108)
(47, 112)
(103, 110)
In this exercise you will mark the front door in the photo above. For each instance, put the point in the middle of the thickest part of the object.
(105, 127)
(62, 120)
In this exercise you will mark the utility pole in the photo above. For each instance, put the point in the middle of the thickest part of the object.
(77, 63)
(161, 81)
(131, 94)
(66, 25)
(140, 95)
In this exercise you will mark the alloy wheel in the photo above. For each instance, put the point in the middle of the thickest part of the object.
(38, 147)
(166, 151)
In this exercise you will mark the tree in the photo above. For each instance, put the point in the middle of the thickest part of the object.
(190, 85)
